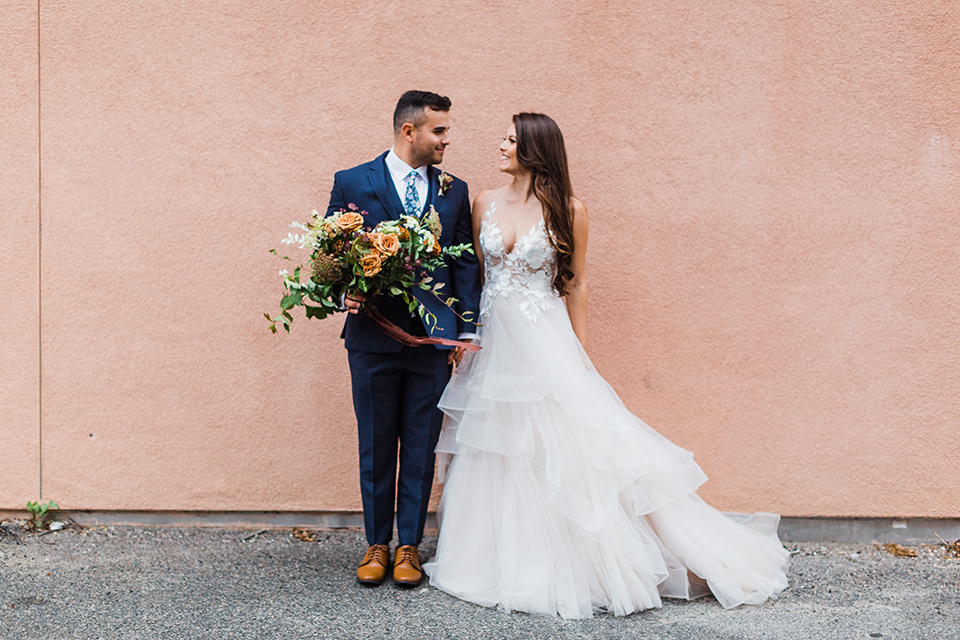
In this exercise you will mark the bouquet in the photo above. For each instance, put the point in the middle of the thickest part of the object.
(348, 257)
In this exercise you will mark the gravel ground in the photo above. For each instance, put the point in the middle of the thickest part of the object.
(119, 582)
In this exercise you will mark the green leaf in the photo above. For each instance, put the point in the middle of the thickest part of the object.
(318, 312)
(291, 300)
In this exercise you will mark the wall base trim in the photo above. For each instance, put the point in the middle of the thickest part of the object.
(792, 529)
(882, 530)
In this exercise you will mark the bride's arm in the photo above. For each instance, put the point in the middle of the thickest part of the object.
(576, 287)
(476, 217)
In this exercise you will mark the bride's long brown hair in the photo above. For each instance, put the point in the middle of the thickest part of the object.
(540, 150)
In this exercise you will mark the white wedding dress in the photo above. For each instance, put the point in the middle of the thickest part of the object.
(558, 500)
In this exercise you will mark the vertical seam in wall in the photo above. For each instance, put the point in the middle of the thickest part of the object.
(39, 272)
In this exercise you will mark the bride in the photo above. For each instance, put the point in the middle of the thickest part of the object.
(558, 500)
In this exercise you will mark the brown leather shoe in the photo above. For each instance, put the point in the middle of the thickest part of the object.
(406, 566)
(373, 567)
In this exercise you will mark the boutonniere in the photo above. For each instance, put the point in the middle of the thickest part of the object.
(445, 180)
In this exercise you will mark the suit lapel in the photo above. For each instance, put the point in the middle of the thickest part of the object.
(383, 187)
(432, 183)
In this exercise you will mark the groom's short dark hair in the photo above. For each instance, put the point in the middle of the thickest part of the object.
(412, 108)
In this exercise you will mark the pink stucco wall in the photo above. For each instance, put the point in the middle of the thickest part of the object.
(19, 247)
(774, 255)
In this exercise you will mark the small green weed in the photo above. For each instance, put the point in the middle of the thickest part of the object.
(40, 513)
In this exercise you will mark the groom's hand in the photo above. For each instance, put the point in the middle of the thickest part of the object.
(354, 302)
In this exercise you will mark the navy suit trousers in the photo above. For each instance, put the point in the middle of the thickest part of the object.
(395, 398)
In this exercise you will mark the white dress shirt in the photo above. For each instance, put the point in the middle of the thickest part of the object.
(399, 170)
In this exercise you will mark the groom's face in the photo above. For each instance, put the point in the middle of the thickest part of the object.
(430, 139)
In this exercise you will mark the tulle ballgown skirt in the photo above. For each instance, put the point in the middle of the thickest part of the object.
(557, 500)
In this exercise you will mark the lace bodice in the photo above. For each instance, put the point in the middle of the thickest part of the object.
(527, 270)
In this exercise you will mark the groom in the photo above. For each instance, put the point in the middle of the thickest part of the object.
(396, 388)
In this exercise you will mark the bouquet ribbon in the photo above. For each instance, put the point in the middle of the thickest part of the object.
(403, 337)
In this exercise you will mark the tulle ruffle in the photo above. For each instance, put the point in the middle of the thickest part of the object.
(558, 500)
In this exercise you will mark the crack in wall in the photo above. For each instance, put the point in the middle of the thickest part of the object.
(39, 269)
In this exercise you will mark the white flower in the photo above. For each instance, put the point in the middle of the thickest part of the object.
(295, 238)
(284, 273)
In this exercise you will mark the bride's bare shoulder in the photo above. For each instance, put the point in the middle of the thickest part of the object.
(579, 211)
(484, 199)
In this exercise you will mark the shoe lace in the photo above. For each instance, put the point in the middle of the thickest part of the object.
(407, 554)
(371, 553)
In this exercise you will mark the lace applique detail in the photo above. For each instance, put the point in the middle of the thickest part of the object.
(528, 269)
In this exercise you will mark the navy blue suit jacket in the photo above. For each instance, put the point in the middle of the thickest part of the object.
(370, 188)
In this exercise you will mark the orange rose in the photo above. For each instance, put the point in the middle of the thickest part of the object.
(386, 244)
(329, 228)
(349, 221)
(371, 264)
(434, 245)
(404, 234)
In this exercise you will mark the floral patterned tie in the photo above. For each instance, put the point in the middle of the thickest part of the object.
(411, 199)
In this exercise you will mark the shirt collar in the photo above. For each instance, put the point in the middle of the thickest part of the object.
(399, 169)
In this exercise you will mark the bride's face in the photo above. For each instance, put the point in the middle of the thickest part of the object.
(508, 152)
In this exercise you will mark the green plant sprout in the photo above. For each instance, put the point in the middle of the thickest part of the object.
(40, 513)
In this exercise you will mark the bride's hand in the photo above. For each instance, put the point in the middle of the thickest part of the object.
(456, 355)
